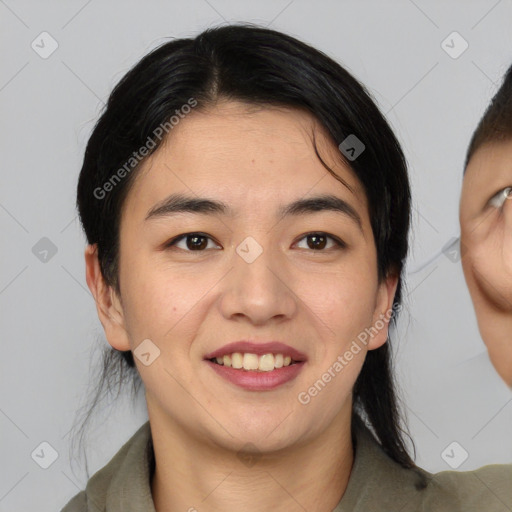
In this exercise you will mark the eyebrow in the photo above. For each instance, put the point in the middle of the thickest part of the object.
(179, 203)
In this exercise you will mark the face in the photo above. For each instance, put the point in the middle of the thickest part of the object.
(486, 241)
(194, 281)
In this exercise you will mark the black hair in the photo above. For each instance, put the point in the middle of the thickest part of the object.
(496, 123)
(262, 67)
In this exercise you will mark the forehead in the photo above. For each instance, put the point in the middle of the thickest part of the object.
(249, 152)
(235, 131)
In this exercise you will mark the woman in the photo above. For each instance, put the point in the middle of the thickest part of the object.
(247, 211)
(486, 227)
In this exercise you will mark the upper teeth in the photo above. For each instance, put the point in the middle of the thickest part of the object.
(265, 363)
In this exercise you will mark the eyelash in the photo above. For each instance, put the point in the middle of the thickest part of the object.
(338, 242)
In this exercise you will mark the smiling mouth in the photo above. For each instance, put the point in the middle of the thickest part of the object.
(253, 362)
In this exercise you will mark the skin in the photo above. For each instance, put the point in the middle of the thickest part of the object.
(189, 303)
(486, 241)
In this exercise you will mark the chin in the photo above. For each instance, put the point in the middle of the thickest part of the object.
(264, 433)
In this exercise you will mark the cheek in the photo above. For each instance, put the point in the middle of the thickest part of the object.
(343, 300)
(474, 243)
(156, 301)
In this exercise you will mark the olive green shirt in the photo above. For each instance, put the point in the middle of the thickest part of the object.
(377, 483)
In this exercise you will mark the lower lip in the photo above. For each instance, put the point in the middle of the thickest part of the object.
(258, 381)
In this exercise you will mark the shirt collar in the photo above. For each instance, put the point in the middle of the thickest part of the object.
(377, 482)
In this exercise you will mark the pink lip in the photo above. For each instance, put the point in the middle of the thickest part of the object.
(272, 347)
(258, 381)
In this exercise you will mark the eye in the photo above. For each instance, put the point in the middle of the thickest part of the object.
(199, 241)
(319, 241)
(193, 241)
(498, 199)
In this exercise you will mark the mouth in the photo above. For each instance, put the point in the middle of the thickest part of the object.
(251, 356)
(251, 362)
(257, 368)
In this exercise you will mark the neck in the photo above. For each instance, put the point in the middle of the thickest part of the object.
(196, 476)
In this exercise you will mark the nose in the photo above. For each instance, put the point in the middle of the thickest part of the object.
(258, 288)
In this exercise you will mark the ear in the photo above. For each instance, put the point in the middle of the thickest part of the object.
(383, 310)
(108, 304)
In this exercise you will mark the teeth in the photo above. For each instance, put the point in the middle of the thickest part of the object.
(266, 362)
(248, 361)
(236, 360)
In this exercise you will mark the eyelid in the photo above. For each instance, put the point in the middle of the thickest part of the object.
(184, 236)
(341, 244)
(498, 199)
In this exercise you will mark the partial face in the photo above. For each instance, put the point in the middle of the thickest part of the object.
(486, 239)
(250, 269)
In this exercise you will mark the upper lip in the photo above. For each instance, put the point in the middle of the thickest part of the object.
(271, 347)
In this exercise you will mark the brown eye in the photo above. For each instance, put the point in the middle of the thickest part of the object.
(193, 241)
(318, 241)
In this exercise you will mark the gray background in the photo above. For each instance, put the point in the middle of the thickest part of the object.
(49, 325)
